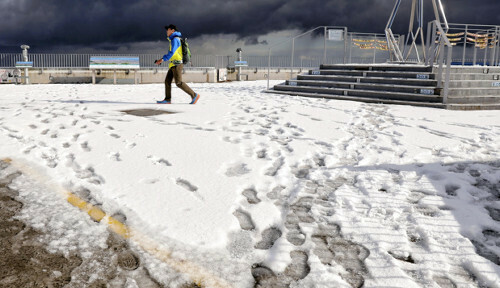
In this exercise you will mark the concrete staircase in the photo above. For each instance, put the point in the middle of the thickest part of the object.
(471, 88)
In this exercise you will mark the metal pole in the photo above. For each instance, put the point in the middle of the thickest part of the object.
(447, 77)
(498, 46)
(427, 57)
(324, 49)
(375, 51)
(268, 67)
(465, 44)
(350, 48)
(291, 61)
(475, 53)
(494, 36)
(440, 60)
(345, 44)
(494, 54)
(433, 43)
(486, 50)
(238, 78)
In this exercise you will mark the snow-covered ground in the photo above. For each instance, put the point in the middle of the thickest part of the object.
(253, 188)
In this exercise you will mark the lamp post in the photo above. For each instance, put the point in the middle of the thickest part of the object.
(25, 59)
(238, 77)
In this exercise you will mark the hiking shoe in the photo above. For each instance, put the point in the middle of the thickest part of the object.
(163, 102)
(195, 99)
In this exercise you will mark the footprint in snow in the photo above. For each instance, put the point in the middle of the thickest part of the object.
(444, 282)
(186, 185)
(275, 193)
(236, 169)
(298, 269)
(275, 167)
(115, 156)
(51, 160)
(85, 146)
(269, 236)
(28, 150)
(244, 219)
(159, 161)
(451, 189)
(231, 140)
(331, 247)
(251, 196)
(494, 213)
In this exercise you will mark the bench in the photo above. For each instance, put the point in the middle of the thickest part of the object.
(114, 63)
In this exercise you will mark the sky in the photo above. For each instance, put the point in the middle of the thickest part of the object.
(215, 26)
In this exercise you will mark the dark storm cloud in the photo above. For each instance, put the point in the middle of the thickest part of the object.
(118, 22)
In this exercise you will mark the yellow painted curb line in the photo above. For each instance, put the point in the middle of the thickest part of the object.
(198, 274)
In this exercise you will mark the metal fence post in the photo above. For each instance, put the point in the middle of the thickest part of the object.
(465, 44)
(475, 53)
(433, 44)
(345, 45)
(324, 48)
(427, 56)
(447, 77)
(498, 46)
(485, 57)
(291, 61)
(440, 60)
(493, 54)
(268, 67)
(350, 47)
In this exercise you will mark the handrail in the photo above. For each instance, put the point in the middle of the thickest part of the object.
(443, 41)
(293, 47)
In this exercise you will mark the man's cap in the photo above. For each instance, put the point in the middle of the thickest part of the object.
(171, 26)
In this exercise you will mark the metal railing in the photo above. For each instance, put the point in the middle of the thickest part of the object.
(293, 39)
(370, 43)
(473, 38)
(480, 44)
(62, 60)
(81, 61)
(347, 47)
(437, 51)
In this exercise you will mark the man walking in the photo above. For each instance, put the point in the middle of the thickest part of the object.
(175, 66)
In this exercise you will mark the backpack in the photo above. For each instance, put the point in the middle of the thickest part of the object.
(186, 53)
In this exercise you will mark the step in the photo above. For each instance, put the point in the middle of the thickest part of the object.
(473, 92)
(367, 86)
(363, 93)
(381, 80)
(380, 74)
(474, 77)
(469, 107)
(472, 69)
(474, 84)
(358, 99)
(486, 99)
(450, 106)
(378, 67)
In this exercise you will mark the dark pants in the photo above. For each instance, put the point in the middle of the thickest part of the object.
(175, 72)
